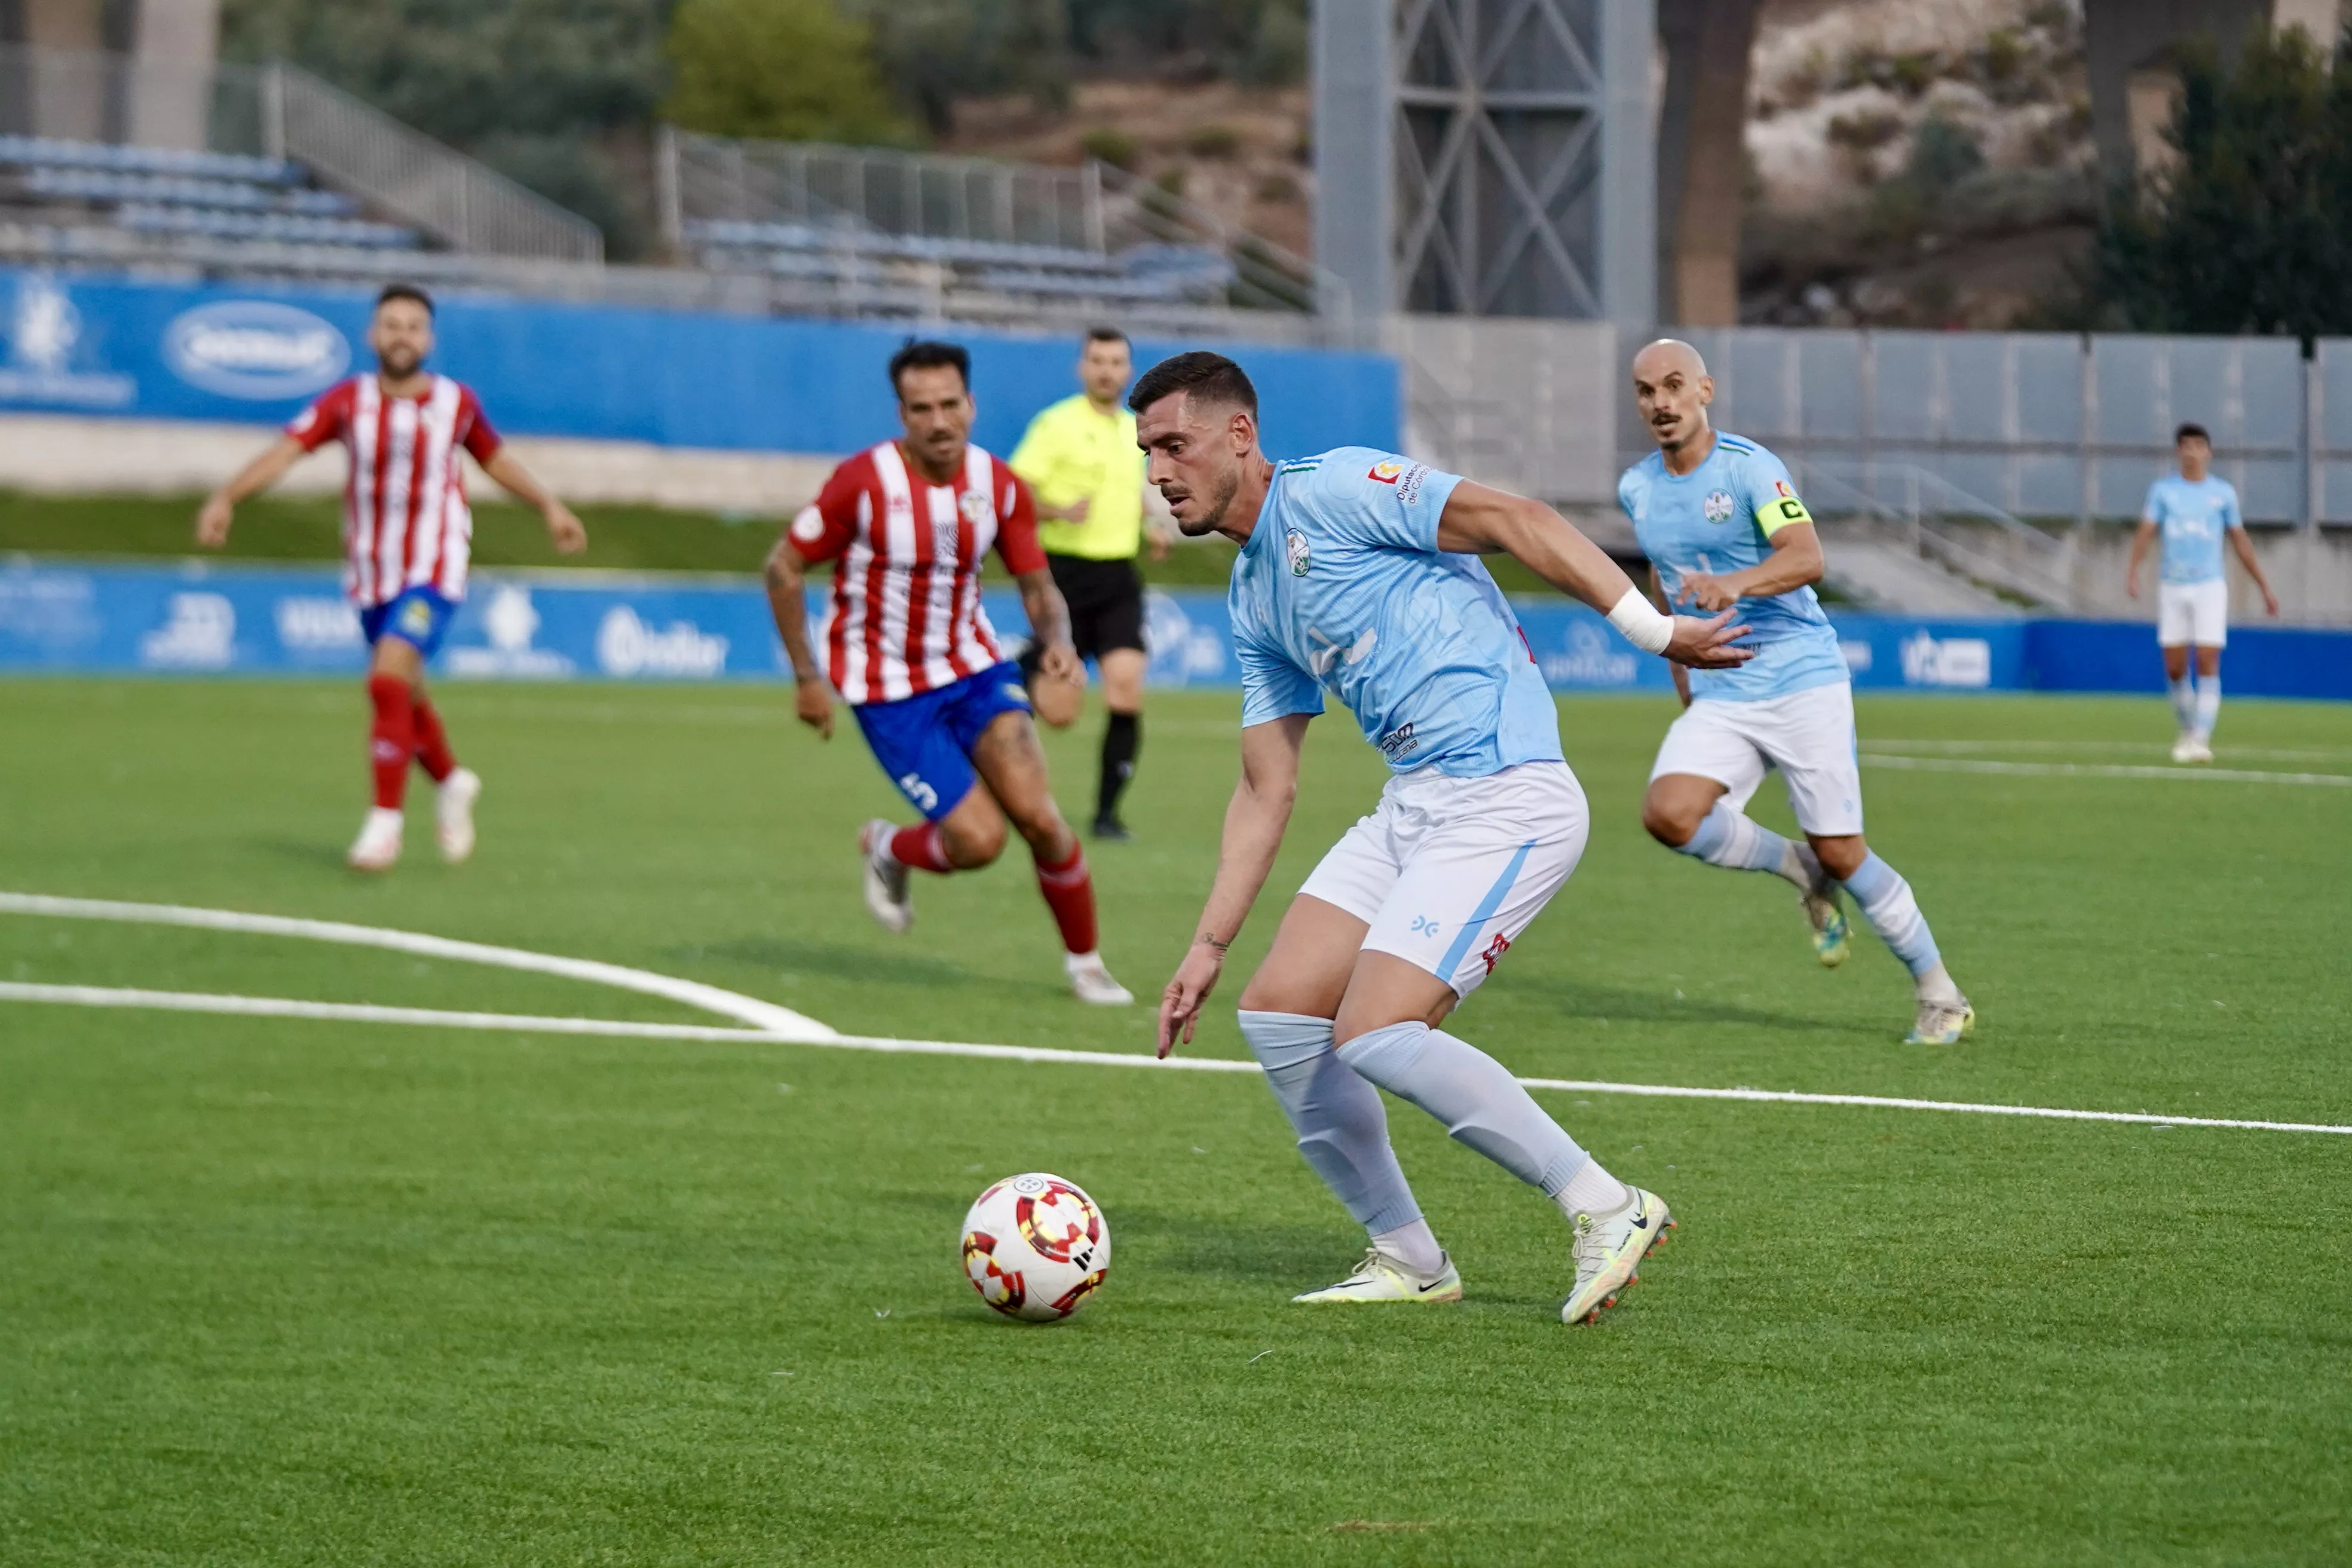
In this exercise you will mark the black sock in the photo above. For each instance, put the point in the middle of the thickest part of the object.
(1122, 740)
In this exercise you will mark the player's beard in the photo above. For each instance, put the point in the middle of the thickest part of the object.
(400, 363)
(1227, 486)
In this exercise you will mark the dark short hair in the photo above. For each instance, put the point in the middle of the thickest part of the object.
(2188, 429)
(926, 354)
(404, 291)
(1106, 335)
(1210, 378)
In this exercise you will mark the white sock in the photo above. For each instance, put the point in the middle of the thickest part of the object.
(2208, 705)
(379, 815)
(2184, 703)
(1936, 985)
(1592, 1191)
(1414, 1244)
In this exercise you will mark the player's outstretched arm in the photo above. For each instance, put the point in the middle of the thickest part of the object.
(1255, 821)
(787, 579)
(562, 528)
(1481, 519)
(212, 518)
(1049, 623)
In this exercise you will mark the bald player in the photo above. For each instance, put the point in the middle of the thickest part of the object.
(1725, 529)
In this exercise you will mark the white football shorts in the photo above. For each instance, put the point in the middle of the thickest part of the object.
(2193, 613)
(1448, 871)
(1808, 735)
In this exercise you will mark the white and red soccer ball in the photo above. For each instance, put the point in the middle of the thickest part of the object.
(1035, 1247)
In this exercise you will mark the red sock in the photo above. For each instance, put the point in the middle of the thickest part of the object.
(1069, 892)
(394, 739)
(432, 743)
(920, 848)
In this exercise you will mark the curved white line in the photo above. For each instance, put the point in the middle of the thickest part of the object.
(763, 1015)
(271, 1006)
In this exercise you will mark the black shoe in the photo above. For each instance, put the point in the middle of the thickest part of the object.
(1111, 830)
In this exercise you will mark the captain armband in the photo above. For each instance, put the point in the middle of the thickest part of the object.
(1781, 511)
(1641, 624)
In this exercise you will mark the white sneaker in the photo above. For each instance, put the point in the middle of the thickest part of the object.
(452, 811)
(1609, 1247)
(2199, 750)
(1092, 980)
(378, 845)
(885, 879)
(1380, 1278)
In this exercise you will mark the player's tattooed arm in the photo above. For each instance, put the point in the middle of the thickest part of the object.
(1795, 562)
(787, 579)
(1049, 623)
(1255, 822)
(212, 518)
(1666, 606)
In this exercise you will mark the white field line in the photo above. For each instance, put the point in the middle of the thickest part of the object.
(2139, 748)
(763, 1015)
(269, 1006)
(2100, 771)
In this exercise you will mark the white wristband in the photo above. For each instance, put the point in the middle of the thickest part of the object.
(1640, 622)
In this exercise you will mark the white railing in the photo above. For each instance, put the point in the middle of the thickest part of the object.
(281, 111)
(2028, 564)
(1093, 207)
(462, 202)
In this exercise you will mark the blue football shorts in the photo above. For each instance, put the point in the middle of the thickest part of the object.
(419, 617)
(924, 743)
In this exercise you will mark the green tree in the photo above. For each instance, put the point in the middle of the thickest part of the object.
(791, 70)
(2250, 230)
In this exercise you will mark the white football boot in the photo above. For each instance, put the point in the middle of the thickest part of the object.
(1380, 1278)
(886, 881)
(453, 813)
(1609, 1247)
(2199, 750)
(377, 848)
(1091, 981)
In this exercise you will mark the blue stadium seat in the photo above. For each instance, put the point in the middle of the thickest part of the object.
(52, 153)
(98, 186)
(284, 228)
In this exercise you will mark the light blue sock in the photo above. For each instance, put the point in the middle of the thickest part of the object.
(1472, 1095)
(1343, 1130)
(2208, 705)
(2184, 701)
(1735, 842)
(1886, 902)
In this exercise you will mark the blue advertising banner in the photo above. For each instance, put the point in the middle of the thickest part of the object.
(675, 378)
(195, 617)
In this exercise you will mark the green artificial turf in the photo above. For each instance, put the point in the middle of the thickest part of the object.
(298, 1291)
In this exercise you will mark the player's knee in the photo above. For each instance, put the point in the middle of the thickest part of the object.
(972, 845)
(1668, 821)
(1842, 857)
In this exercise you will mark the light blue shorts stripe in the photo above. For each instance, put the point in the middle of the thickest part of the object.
(1483, 913)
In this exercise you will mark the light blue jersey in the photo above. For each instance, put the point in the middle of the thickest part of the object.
(2191, 518)
(1342, 586)
(1718, 518)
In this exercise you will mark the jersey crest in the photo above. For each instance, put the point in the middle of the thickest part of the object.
(1718, 505)
(1293, 546)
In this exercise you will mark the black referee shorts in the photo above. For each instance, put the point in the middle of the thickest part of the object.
(1105, 600)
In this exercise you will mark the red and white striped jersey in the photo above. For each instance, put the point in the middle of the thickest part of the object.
(905, 616)
(406, 520)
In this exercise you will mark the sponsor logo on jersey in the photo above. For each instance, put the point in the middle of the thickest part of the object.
(1294, 545)
(1399, 741)
(975, 507)
(1387, 471)
(1409, 488)
(1495, 950)
(1780, 488)
(809, 527)
(1718, 505)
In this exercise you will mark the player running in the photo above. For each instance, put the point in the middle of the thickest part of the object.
(2194, 509)
(908, 524)
(1725, 529)
(1358, 574)
(407, 537)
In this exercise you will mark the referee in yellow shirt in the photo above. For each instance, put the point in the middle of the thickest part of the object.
(1081, 459)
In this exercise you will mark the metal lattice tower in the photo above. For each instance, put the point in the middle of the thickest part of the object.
(1487, 157)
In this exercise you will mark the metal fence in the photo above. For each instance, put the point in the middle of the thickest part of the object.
(282, 111)
(1092, 207)
(2038, 425)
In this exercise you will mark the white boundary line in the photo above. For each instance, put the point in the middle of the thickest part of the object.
(2099, 771)
(765, 1015)
(271, 1006)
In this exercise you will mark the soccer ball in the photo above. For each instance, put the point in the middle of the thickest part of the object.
(1035, 1248)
